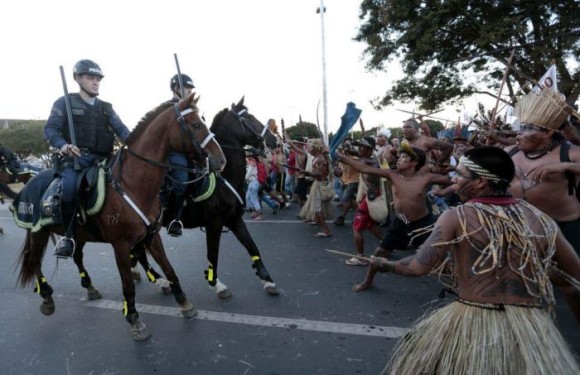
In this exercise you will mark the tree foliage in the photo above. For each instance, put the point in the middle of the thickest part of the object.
(301, 130)
(440, 43)
(25, 137)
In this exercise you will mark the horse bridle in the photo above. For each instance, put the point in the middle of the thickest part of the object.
(180, 116)
(244, 122)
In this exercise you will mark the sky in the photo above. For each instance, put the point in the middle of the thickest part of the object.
(268, 51)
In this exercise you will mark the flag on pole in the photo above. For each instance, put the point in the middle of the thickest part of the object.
(548, 80)
(348, 120)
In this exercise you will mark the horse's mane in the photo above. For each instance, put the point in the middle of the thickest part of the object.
(146, 120)
(217, 118)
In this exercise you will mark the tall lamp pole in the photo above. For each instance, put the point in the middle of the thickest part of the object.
(322, 10)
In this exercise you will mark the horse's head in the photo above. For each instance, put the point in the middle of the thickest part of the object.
(237, 127)
(193, 136)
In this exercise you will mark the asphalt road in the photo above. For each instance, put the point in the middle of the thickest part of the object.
(316, 325)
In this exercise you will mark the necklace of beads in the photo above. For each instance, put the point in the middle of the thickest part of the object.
(541, 151)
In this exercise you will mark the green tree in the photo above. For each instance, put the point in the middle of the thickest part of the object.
(302, 129)
(440, 42)
(25, 137)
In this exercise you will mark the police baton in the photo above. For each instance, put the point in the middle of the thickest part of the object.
(181, 88)
(71, 128)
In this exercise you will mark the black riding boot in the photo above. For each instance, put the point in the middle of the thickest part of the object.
(65, 247)
(175, 228)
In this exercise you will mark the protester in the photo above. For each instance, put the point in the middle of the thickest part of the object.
(316, 208)
(371, 191)
(95, 125)
(413, 221)
(547, 167)
(499, 255)
(427, 144)
(350, 180)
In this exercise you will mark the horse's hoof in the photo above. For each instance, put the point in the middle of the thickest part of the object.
(271, 289)
(187, 309)
(166, 290)
(93, 293)
(139, 331)
(47, 307)
(224, 293)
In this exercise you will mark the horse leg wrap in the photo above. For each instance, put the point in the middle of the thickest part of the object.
(260, 269)
(130, 312)
(85, 279)
(152, 275)
(43, 288)
(178, 293)
(210, 275)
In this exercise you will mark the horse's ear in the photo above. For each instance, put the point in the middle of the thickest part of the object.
(196, 99)
(241, 102)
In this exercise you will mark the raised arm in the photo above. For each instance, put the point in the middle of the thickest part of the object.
(364, 168)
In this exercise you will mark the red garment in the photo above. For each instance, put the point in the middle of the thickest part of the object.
(292, 162)
(362, 219)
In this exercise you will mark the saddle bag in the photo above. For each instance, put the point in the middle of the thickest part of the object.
(51, 202)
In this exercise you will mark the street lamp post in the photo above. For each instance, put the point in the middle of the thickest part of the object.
(322, 10)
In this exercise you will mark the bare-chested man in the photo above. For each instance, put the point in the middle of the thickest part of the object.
(542, 177)
(495, 251)
(301, 190)
(427, 144)
(413, 220)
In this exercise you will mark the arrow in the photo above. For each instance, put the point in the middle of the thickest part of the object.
(348, 254)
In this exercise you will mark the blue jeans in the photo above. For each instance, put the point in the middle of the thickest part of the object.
(69, 176)
(252, 199)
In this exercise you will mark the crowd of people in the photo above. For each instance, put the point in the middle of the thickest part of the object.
(496, 217)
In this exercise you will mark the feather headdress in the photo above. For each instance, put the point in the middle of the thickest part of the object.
(546, 109)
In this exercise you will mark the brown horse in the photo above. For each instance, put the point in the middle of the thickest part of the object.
(6, 177)
(130, 216)
(234, 128)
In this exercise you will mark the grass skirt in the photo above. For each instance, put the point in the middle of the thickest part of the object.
(466, 339)
(314, 204)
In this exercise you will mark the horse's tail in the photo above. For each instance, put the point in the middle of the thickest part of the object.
(29, 260)
(5, 189)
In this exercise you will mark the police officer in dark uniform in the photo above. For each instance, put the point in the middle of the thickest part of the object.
(180, 177)
(95, 126)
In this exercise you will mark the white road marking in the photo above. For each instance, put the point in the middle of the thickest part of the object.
(264, 321)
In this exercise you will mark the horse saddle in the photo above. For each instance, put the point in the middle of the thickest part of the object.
(40, 204)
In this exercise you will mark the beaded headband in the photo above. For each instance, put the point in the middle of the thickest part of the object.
(472, 166)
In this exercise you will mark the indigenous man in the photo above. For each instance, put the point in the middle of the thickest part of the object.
(427, 144)
(315, 208)
(362, 217)
(547, 167)
(301, 190)
(413, 221)
(501, 256)
(350, 179)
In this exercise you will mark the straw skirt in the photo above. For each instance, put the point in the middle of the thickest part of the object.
(467, 339)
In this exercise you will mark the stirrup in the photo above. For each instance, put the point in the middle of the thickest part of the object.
(175, 231)
(64, 251)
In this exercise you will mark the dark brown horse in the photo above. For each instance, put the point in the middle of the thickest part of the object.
(233, 128)
(129, 217)
(8, 178)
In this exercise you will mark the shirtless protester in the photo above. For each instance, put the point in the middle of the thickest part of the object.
(543, 175)
(502, 256)
(413, 221)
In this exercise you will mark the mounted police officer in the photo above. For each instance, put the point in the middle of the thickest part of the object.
(178, 177)
(95, 124)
